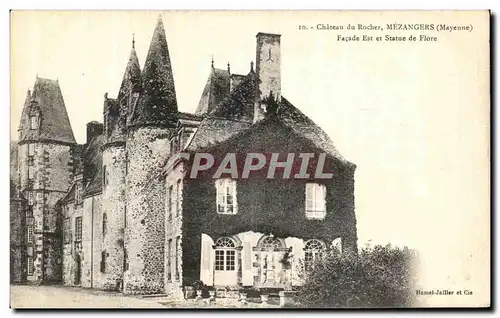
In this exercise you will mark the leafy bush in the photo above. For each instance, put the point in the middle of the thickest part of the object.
(381, 276)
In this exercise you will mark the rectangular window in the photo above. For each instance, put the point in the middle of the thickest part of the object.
(78, 229)
(170, 202)
(308, 260)
(169, 260)
(33, 122)
(31, 172)
(125, 260)
(103, 261)
(219, 260)
(67, 231)
(29, 232)
(315, 201)
(226, 196)
(177, 253)
(125, 217)
(230, 260)
(30, 265)
(31, 154)
(31, 149)
(104, 224)
(178, 195)
(31, 198)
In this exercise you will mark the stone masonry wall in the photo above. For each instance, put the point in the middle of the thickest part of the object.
(173, 233)
(91, 241)
(17, 242)
(51, 177)
(147, 147)
(113, 206)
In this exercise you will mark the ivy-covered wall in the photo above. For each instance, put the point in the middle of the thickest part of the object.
(274, 206)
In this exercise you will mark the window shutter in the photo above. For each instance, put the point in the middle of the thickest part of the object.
(309, 196)
(247, 270)
(207, 260)
(219, 185)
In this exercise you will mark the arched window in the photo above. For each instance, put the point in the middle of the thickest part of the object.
(314, 250)
(271, 243)
(225, 254)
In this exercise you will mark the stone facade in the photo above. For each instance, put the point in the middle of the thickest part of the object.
(113, 215)
(116, 214)
(44, 178)
(145, 231)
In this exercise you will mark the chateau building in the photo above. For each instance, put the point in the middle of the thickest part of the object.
(116, 214)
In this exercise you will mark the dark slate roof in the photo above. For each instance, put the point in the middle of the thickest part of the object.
(92, 160)
(157, 104)
(239, 104)
(303, 125)
(216, 130)
(54, 121)
(131, 76)
(217, 87)
(115, 120)
(70, 195)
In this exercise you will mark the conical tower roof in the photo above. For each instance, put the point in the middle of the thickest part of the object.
(46, 105)
(132, 75)
(157, 104)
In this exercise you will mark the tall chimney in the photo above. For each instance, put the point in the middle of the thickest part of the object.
(268, 70)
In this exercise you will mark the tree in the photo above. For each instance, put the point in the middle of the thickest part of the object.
(378, 277)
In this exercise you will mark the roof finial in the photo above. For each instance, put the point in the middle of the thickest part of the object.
(251, 66)
(228, 68)
(133, 40)
(212, 61)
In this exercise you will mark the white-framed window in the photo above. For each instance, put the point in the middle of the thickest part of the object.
(31, 149)
(34, 122)
(30, 265)
(29, 233)
(31, 198)
(315, 201)
(225, 254)
(226, 196)
(31, 172)
(314, 251)
(178, 197)
(78, 229)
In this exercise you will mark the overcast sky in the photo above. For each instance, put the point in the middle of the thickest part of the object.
(412, 116)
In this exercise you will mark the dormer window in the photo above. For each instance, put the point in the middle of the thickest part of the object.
(226, 196)
(33, 122)
(315, 201)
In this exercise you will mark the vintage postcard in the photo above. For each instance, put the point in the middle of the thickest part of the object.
(250, 159)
